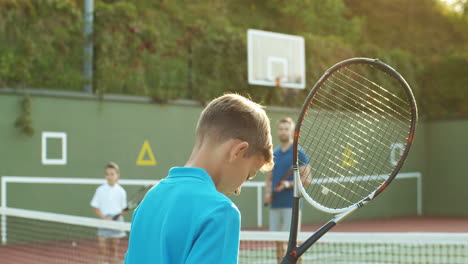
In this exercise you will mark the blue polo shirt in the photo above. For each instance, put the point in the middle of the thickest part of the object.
(184, 219)
(283, 163)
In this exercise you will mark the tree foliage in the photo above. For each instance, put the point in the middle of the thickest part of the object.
(40, 43)
(197, 49)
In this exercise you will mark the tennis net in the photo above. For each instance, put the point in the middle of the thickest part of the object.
(360, 248)
(39, 237)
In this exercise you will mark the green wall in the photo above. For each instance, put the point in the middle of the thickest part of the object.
(97, 132)
(447, 165)
(102, 130)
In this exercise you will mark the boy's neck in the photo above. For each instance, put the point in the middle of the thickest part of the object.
(207, 158)
(212, 157)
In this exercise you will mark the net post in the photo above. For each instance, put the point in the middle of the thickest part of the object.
(419, 193)
(3, 205)
(259, 206)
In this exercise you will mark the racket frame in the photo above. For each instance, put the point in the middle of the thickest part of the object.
(135, 200)
(294, 252)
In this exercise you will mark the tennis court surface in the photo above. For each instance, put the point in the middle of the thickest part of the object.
(39, 237)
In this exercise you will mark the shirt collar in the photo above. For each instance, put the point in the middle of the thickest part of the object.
(191, 172)
(111, 187)
(285, 152)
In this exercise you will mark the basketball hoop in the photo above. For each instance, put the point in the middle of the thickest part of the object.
(272, 54)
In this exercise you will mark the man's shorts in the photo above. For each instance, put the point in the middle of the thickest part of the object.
(280, 219)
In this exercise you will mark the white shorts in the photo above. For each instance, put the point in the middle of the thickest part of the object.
(111, 233)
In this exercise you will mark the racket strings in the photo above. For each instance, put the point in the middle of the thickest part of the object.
(404, 114)
(356, 110)
(403, 121)
(322, 143)
(359, 188)
(369, 105)
(389, 93)
(342, 175)
(334, 155)
(362, 186)
(330, 151)
(349, 132)
(333, 124)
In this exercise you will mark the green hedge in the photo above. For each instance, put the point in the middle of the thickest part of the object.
(197, 50)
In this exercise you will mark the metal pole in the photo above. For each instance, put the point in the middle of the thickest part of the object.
(420, 194)
(4, 205)
(190, 82)
(88, 46)
(259, 206)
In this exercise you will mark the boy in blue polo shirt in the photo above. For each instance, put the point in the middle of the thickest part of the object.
(187, 217)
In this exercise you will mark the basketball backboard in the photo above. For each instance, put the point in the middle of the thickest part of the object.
(275, 59)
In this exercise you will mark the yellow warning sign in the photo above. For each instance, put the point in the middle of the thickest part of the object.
(146, 156)
(348, 157)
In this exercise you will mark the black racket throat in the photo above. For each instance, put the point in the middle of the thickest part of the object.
(296, 251)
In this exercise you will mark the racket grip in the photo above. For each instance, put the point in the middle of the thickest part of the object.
(115, 217)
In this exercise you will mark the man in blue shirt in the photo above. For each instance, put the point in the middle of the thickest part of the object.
(187, 217)
(279, 182)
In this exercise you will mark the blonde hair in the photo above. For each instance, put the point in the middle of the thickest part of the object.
(113, 165)
(234, 116)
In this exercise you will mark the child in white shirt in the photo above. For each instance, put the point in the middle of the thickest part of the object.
(109, 200)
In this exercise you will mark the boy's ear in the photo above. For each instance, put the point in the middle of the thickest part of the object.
(238, 149)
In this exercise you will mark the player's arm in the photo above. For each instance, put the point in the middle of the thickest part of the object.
(306, 176)
(268, 180)
(304, 171)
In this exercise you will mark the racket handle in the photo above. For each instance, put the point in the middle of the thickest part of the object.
(115, 217)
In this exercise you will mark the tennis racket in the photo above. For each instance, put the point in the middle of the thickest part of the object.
(134, 200)
(350, 126)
